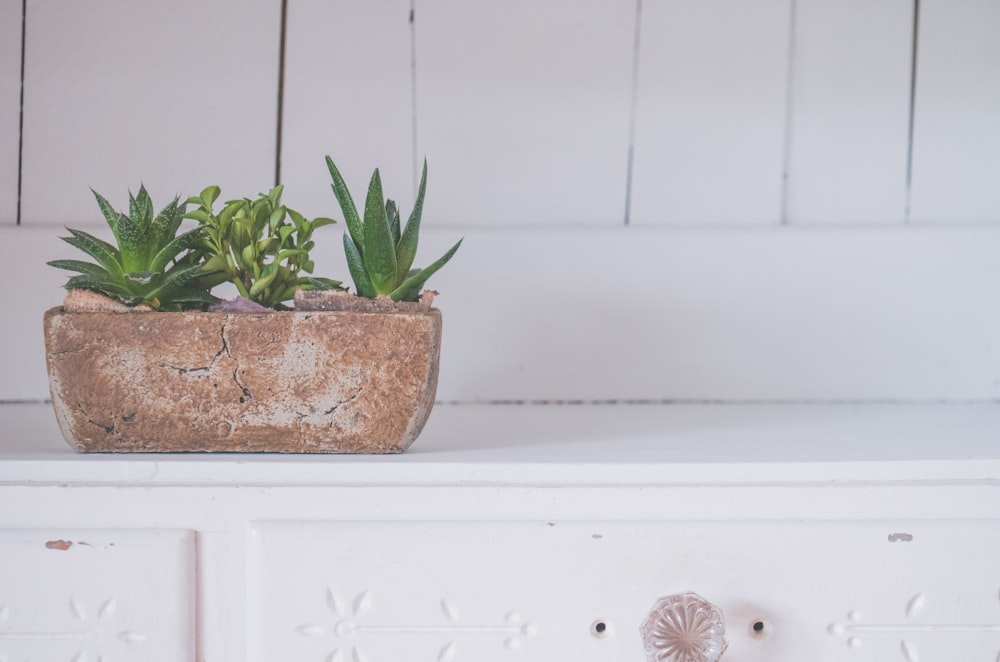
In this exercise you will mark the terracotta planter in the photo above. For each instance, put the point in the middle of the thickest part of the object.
(288, 382)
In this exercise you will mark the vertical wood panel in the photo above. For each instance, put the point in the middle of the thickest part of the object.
(850, 111)
(176, 94)
(10, 101)
(710, 116)
(347, 94)
(956, 149)
(523, 109)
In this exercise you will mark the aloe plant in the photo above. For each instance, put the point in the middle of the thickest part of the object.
(379, 254)
(253, 244)
(147, 265)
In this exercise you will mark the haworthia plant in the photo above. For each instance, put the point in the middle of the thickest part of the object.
(379, 253)
(147, 265)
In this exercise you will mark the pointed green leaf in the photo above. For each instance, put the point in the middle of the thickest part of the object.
(392, 214)
(343, 196)
(410, 289)
(380, 252)
(406, 248)
(191, 295)
(95, 284)
(109, 212)
(79, 266)
(139, 281)
(132, 239)
(187, 240)
(141, 208)
(174, 279)
(163, 229)
(105, 254)
(362, 283)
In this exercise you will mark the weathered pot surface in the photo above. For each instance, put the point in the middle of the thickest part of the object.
(288, 382)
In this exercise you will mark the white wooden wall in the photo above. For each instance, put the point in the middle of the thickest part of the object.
(661, 199)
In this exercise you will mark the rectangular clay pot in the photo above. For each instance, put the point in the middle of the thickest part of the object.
(282, 382)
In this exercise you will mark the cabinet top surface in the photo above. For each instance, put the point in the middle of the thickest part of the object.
(565, 445)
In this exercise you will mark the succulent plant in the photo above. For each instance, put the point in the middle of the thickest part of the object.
(146, 266)
(253, 244)
(379, 254)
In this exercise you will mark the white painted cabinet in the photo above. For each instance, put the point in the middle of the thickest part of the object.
(837, 533)
(97, 594)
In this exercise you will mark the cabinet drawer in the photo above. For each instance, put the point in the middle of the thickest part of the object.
(483, 591)
(90, 595)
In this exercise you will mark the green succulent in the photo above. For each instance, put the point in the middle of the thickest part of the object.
(253, 244)
(146, 266)
(379, 254)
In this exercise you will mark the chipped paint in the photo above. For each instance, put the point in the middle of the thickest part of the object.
(900, 537)
(61, 545)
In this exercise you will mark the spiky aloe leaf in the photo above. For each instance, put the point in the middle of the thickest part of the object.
(410, 289)
(362, 283)
(406, 247)
(175, 280)
(104, 285)
(343, 196)
(132, 241)
(138, 281)
(140, 208)
(380, 252)
(164, 227)
(187, 240)
(392, 214)
(191, 295)
(105, 254)
(87, 268)
(110, 213)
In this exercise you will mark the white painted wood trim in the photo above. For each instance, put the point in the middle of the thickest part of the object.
(675, 447)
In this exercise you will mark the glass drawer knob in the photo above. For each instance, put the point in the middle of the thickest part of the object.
(684, 628)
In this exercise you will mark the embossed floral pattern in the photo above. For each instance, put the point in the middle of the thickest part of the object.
(684, 628)
(346, 630)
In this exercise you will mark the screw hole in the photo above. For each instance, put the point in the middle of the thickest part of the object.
(600, 629)
(759, 629)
